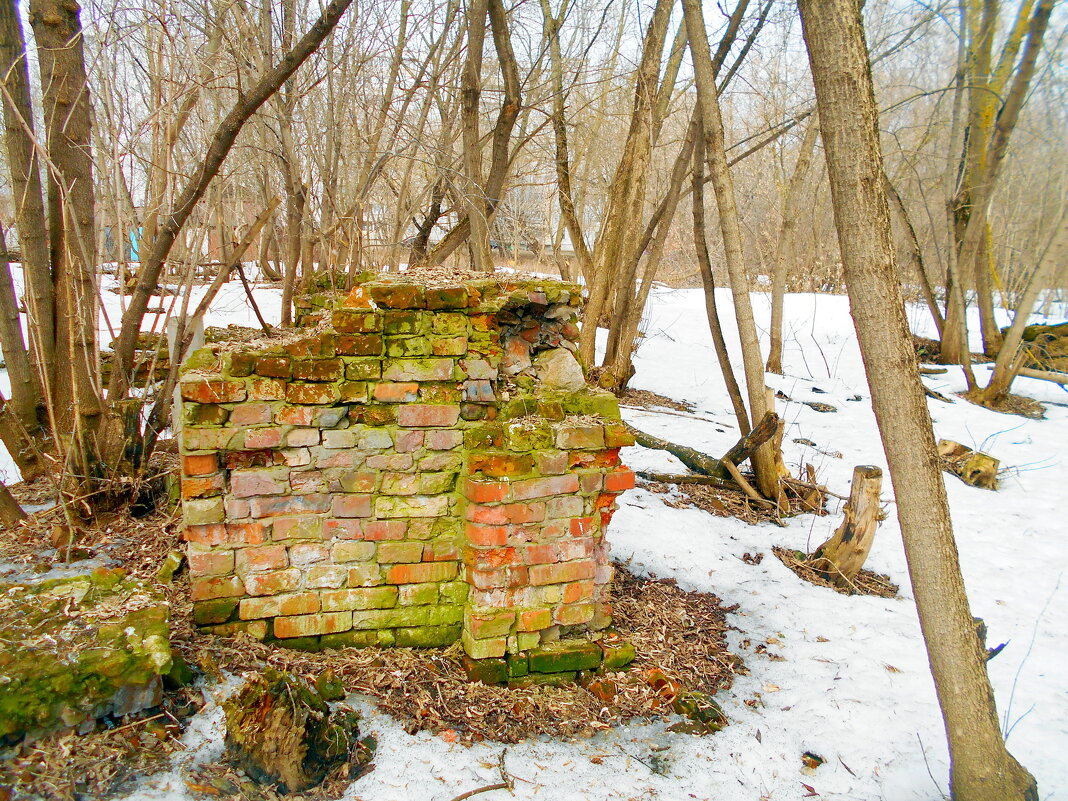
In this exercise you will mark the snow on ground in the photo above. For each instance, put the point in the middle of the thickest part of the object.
(853, 684)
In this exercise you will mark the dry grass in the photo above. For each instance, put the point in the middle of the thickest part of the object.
(726, 501)
(864, 583)
(645, 399)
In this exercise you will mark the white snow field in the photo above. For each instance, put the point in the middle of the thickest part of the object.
(853, 685)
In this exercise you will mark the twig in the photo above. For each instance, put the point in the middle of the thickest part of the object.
(747, 488)
(252, 300)
(488, 788)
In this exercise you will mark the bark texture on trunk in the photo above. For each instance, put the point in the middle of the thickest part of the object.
(981, 767)
(843, 555)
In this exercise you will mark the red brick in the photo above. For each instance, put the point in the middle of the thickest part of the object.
(576, 548)
(541, 487)
(200, 464)
(357, 298)
(487, 515)
(561, 572)
(319, 345)
(295, 415)
(421, 573)
(202, 486)
(443, 439)
(257, 438)
(250, 414)
(301, 603)
(272, 583)
(590, 482)
(210, 563)
(345, 322)
(318, 370)
(204, 589)
(385, 530)
(578, 591)
(274, 366)
(534, 620)
(581, 526)
(619, 480)
(237, 460)
(312, 625)
(490, 558)
(398, 296)
(408, 441)
(308, 553)
(486, 535)
(418, 415)
(343, 530)
(525, 512)
(488, 491)
(441, 551)
(490, 624)
(573, 615)
(512, 576)
(246, 483)
(269, 557)
(247, 533)
(540, 554)
(359, 345)
(312, 394)
(351, 506)
(268, 389)
(501, 464)
(552, 464)
(213, 391)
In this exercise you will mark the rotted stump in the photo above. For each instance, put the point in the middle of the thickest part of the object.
(280, 731)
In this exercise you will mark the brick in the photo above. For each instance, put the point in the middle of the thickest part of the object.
(491, 558)
(207, 439)
(336, 458)
(590, 481)
(254, 533)
(411, 506)
(269, 557)
(407, 441)
(418, 594)
(398, 296)
(363, 369)
(448, 346)
(420, 573)
(295, 415)
(266, 481)
(236, 508)
(325, 576)
(258, 438)
(319, 345)
(485, 624)
(318, 394)
(448, 323)
(305, 527)
(512, 576)
(365, 574)
(399, 552)
(205, 589)
(442, 439)
(484, 649)
(308, 553)
(373, 439)
(274, 366)
(479, 391)
(486, 515)
(616, 435)
(289, 505)
(202, 486)
(210, 562)
(239, 365)
(400, 484)
(308, 482)
(303, 437)
(578, 591)
(577, 548)
(362, 598)
(251, 414)
(351, 506)
(200, 464)
(201, 511)
(444, 461)
(573, 614)
(552, 463)
(564, 506)
(238, 460)
(534, 619)
(359, 345)
(580, 438)
(499, 465)
(350, 551)
(296, 457)
(487, 491)
(430, 369)
(539, 554)
(453, 297)
(268, 389)
(273, 582)
(541, 487)
(357, 481)
(296, 603)
(561, 572)
(525, 512)
(441, 551)
(619, 480)
(213, 391)
(419, 415)
(206, 414)
(346, 529)
(318, 370)
(402, 347)
(361, 322)
(487, 536)
(385, 530)
(396, 392)
(215, 611)
(312, 625)
(581, 526)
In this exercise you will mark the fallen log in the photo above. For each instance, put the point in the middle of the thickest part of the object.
(1045, 375)
(703, 463)
(677, 478)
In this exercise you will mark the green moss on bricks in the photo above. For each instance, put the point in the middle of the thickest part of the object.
(426, 636)
(565, 655)
(77, 648)
(487, 671)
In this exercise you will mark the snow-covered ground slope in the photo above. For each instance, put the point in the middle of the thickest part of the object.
(853, 684)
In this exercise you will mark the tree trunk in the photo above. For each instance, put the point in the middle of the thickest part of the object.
(24, 391)
(471, 92)
(843, 555)
(767, 461)
(11, 512)
(981, 767)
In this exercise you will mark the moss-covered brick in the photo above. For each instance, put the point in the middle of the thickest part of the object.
(453, 297)
(453, 592)
(580, 437)
(205, 589)
(237, 364)
(350, 639)
(518, 665)
(448, 346)
(361, 598)
(319, 370)
(485, 670)
(355, 481)
(205, 360)
(321, 394)
(320, 345)
(421, 573)
(407, 347)
(616, 435)
(618, 653)
(205, 414)
(472, 412)
(418, 594)
(268, 389)
(407, 616)
(501, 464)
(399, 552)
(353, 551)
(201, 391)
(311, 625)
(449, 324)
(429, 369)
(406, 323)
(592, 402)
(306, 644)
(564, 656)
(398, 296)
(533, 619)
(359, 344)
(426, 636)
(378, 414)
(365, 574)
(218, 610)
(201, 511)
(356, 322)
(488, 435)
(362, 369)
(528, 436)
(489, 623)
(484, 649)
(274, 366)
(297, 603)
(573, 614)
(353, 391)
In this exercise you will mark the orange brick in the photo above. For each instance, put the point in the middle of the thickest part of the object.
(486, 535)
(272, 583)
(490, 558)
(200, 464)
(269, 557)
(420, 415)
(525, 512)
(619, 480)
(581, 526)
(534, 619)
(202, 486)
(513, 576)
(539, 554)
(573, 614)
(346, 529)
(312, 625)
(299, 603)
(487, 515)
(210, 563)
(488, 491)
(549, 485)
(578, 591)
(385, 530)
(441, 551)
(561, 572)
(213, 391)
(421, 573)
(204, 589)
(396, 392)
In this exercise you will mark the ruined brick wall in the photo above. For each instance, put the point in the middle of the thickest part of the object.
(416, 466)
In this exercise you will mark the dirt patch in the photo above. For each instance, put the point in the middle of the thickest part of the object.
(865, 583)
(1012, 404)
(645, 399)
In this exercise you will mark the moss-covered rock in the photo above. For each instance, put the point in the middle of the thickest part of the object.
(74, 649)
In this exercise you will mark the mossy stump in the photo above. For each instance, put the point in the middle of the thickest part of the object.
(280, 731)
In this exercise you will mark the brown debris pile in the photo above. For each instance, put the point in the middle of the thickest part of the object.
(724, 501)
(864, 583)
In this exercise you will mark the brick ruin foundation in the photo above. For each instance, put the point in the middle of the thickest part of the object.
(414, 466)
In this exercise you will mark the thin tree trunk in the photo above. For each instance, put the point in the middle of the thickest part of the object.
(10, 510)
(981, 767)
(915, 255)
(218, 148)
(767, 461)
(471, 94)
(24, 391)
(784, 248)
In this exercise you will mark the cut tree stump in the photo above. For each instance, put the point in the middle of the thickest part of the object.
(972, 467)
(842, 556)
(280, 731)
